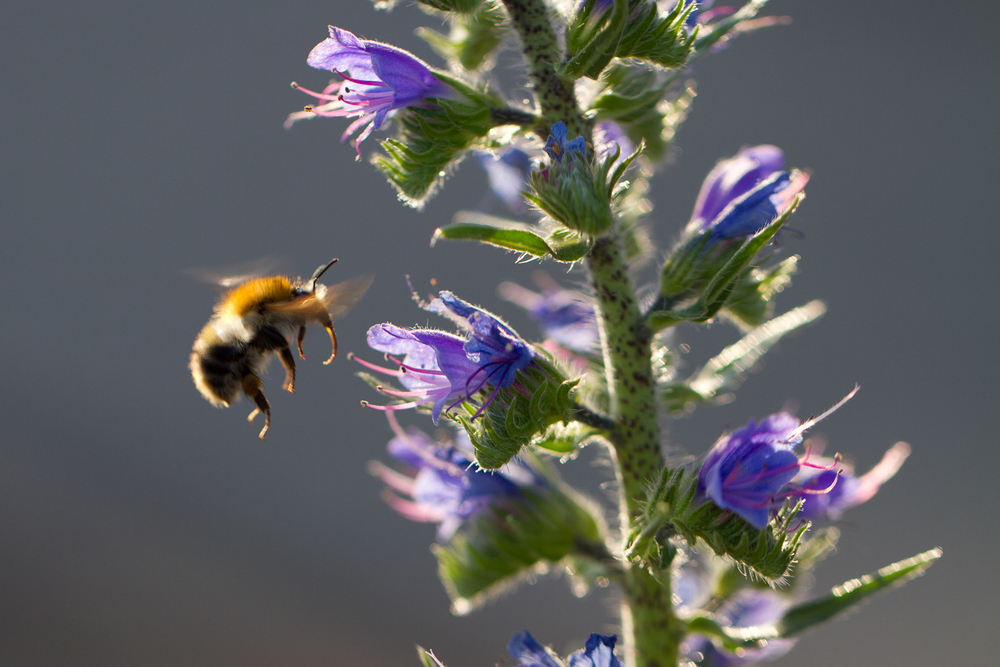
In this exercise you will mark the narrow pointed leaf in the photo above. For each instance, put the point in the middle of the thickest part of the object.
(519, 240)
(849, 594)
(727, 368)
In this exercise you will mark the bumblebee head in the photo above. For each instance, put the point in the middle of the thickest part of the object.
(318, 273)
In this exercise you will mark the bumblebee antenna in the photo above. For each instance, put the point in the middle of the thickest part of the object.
(320, 271)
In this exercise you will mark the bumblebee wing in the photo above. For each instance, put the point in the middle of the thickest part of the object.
(340, 297)
(234, 274)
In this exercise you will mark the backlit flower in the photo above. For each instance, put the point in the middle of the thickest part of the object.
(750, 470)
(559, 145)
(732, 178)
(445, 369)
(564, 316)
(378, 79)
(444, 486)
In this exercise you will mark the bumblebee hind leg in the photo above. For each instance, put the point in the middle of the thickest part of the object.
(252, 388)
(269, 339)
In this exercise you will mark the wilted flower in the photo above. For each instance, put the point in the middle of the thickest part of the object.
(848, 489)
(750, 470)
(597, 652)
(565, 316)
(559, 145)
(378, 79)
(444, 369)
(445, 486)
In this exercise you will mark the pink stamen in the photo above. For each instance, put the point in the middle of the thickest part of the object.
(371, 366)
(395, 480)
(359, 81)
(325, 95)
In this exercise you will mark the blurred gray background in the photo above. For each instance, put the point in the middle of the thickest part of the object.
(140, 526)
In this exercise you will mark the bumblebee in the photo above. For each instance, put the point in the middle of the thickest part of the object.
(254, 320)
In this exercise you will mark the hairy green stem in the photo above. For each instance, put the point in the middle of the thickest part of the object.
(652, 631)
(554, 92)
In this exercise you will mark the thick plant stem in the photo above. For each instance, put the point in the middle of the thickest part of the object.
(555, 92)
(626, 340)
(651, 630)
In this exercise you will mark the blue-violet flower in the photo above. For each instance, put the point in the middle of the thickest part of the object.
(445, 486)
(558, 144)
(508, 175)
(378, 79)
(565, 316)
(444, 369)
(732, 178)
(597, 652)
(749, 471)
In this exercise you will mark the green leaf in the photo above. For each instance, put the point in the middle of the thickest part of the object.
(849, 594)
(519, 240)
(727, 369)
(563, 438)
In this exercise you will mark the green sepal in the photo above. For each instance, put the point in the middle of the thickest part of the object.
(719, 287)
(769, 552)
(583, 197)
(517, 539)
(752, 300)
(851, 593)
(727, 369)
(473, 38)
(724, 26)
(432, 139)
(517, 416)
(635, 97)
(662, 40)
(563, 438)
(591, 42)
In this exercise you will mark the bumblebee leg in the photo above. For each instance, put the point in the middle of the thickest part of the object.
(288, 361)
(298, 341)
(328, 325)
(252, 388)
(270, 339)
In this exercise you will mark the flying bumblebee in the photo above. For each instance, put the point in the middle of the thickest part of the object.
(254, 320)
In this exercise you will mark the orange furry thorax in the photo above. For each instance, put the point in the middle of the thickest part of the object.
(251, 294)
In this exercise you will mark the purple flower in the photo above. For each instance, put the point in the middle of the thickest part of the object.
(847, 489)
(745, 470)
(558, 144)
(508, 175)
(608, 137)
(530, 653)
(597, 652)
(750, 471)
(565, 316)
(731, 179)
(379, 79)
(444, 369)
(746, 608)
(760, 207)
(444, 486)
(434, 367)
